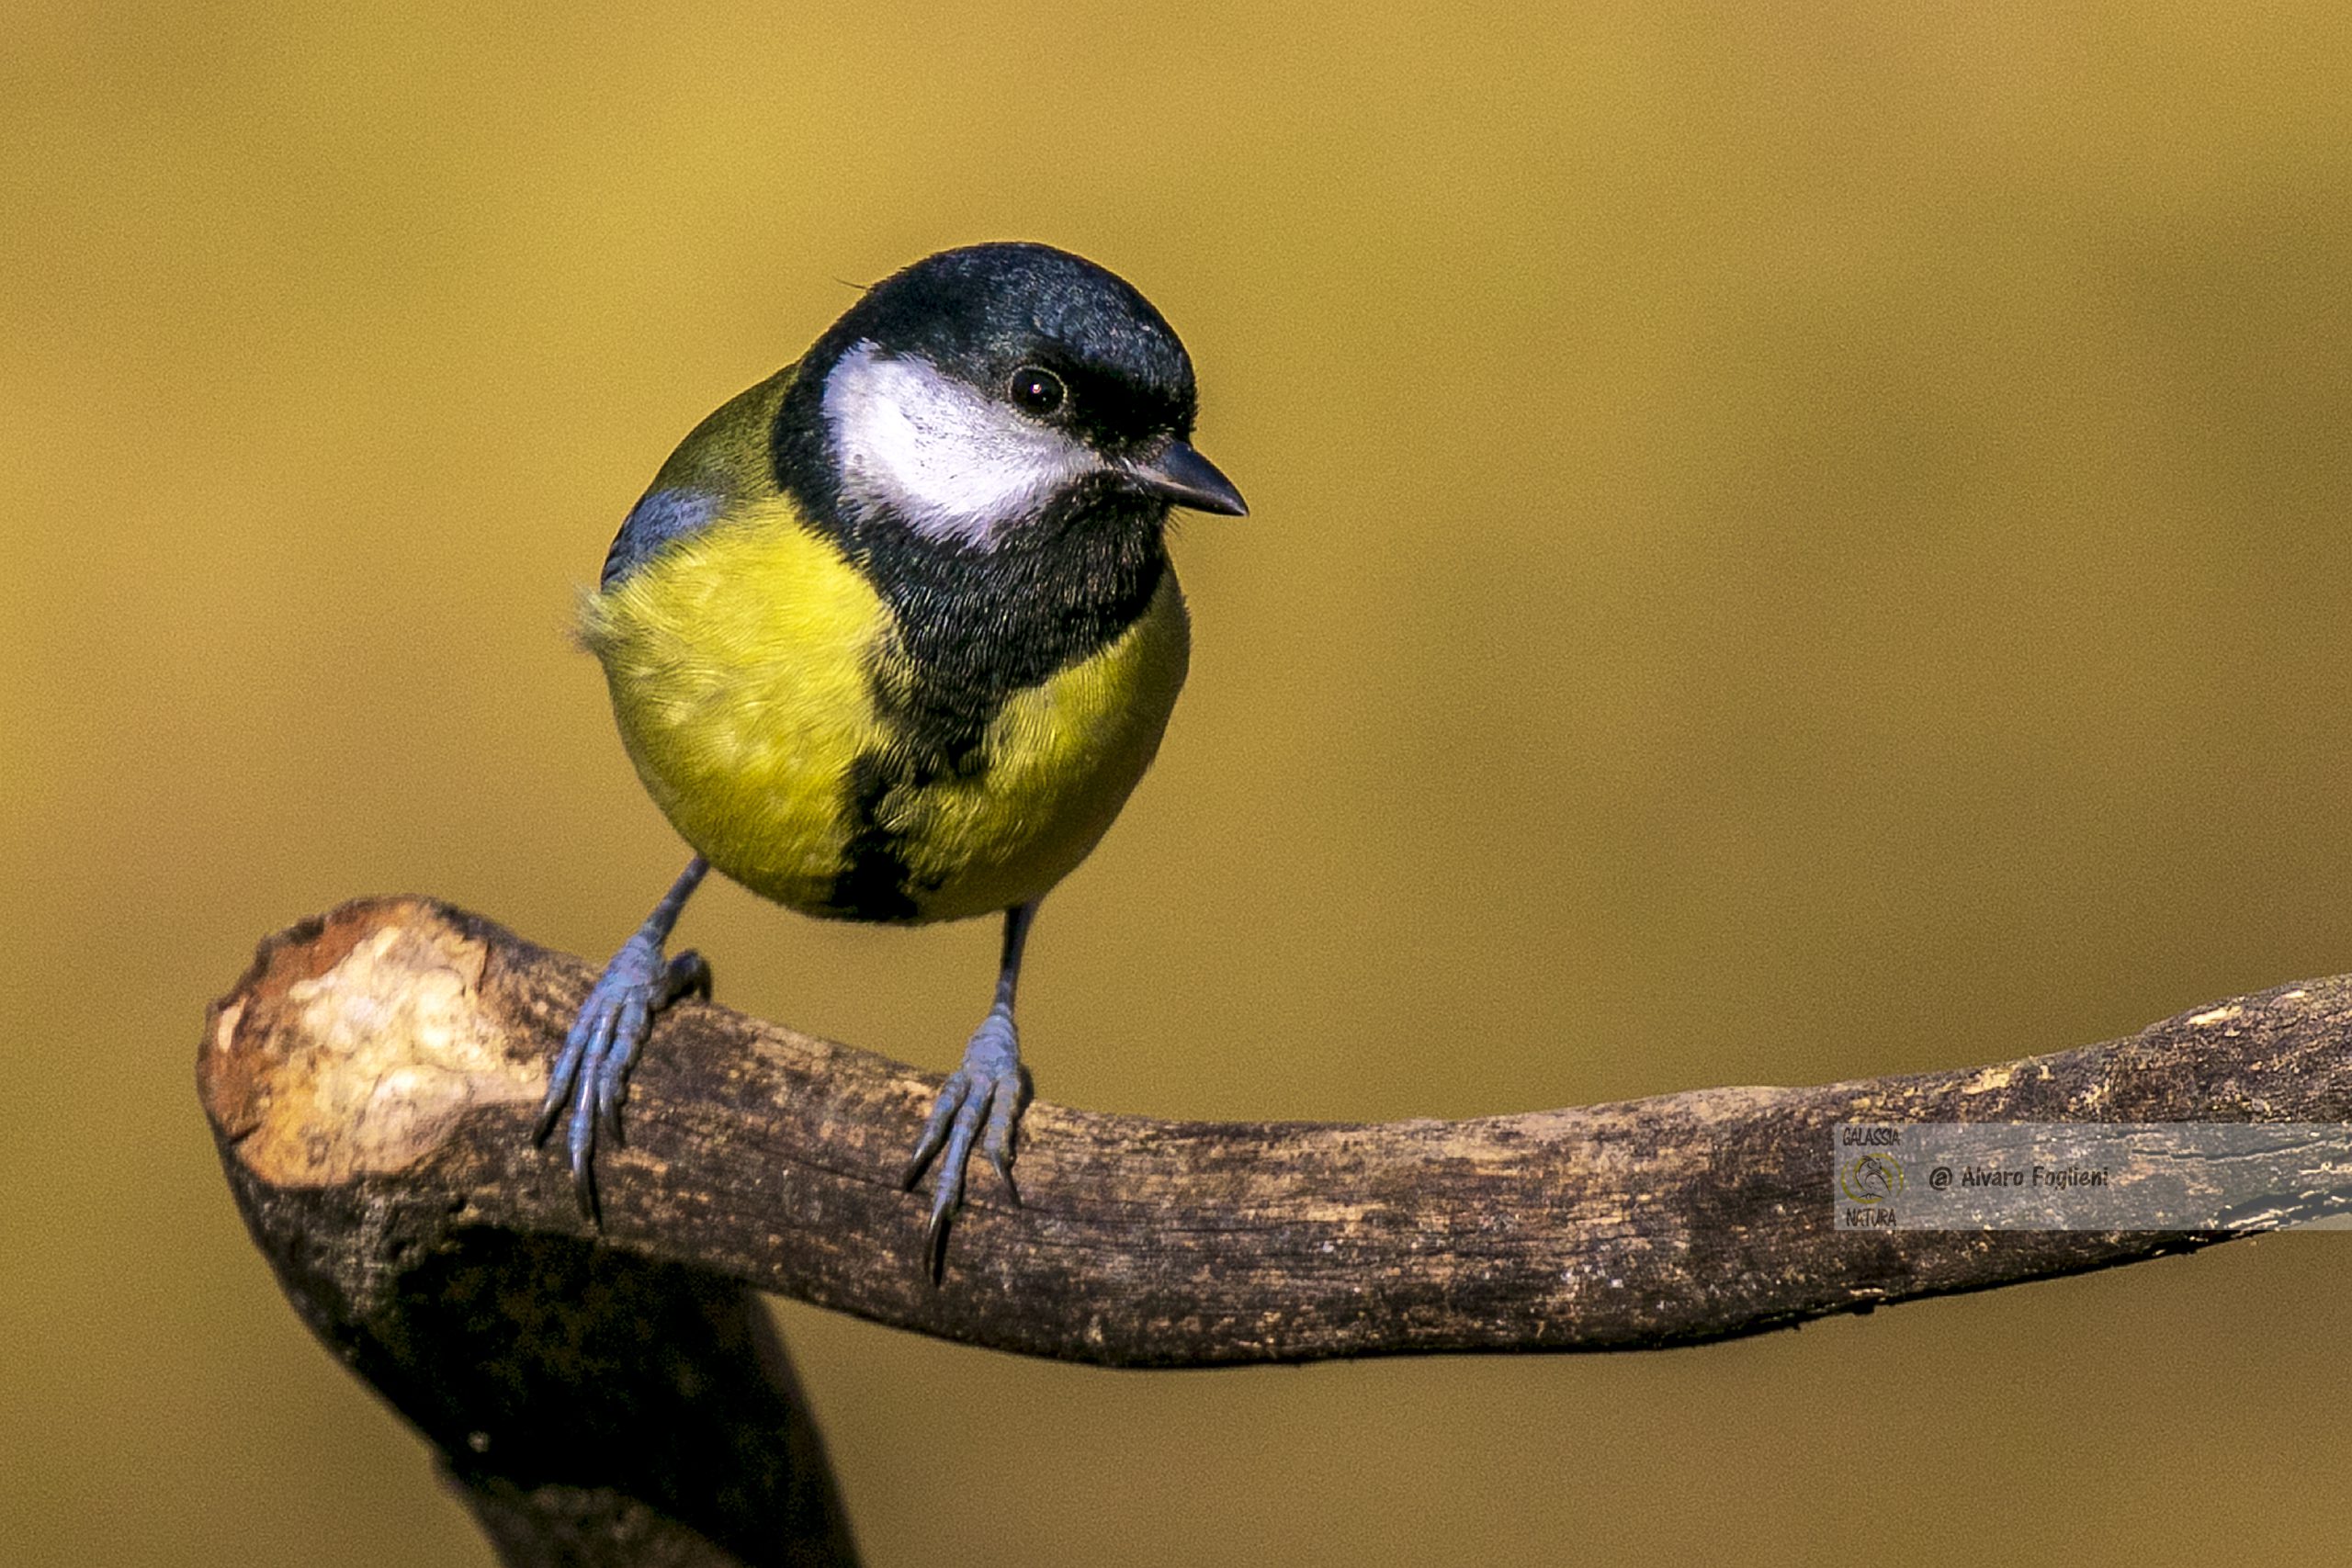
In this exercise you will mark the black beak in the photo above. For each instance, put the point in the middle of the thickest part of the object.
(1186, 478)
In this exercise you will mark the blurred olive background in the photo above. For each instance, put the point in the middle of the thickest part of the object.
(1790, 543)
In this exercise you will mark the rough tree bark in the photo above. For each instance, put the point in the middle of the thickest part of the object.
(371, 1081)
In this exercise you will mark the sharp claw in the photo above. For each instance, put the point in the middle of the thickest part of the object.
(934, 1129)
(946, 1199)
(583, 1188)
(582, 1148)
(689, 976)
(934, 1241)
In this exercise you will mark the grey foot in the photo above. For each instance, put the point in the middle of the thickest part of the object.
(591, 1072)
(988, 1090)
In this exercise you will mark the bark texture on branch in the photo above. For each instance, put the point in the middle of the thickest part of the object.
(373, 1077)
(389, 1055)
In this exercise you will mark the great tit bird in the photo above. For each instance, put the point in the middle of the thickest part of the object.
(894, 633)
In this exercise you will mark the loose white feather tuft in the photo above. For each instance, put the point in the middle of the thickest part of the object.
(950, 461)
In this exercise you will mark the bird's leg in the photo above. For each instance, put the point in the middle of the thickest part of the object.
(990, 1088)
(591, 1072)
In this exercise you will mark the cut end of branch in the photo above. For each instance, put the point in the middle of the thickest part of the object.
(356, 1043)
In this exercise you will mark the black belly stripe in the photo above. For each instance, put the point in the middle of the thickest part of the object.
(938, 724)
(873, 881)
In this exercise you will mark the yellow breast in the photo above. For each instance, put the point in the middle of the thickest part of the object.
(1059, 760)
(743, 663)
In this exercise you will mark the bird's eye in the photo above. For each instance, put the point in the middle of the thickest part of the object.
(1036, 390)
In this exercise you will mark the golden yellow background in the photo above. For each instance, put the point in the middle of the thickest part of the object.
(1790, 541)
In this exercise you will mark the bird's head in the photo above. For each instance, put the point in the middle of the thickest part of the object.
(985, 389)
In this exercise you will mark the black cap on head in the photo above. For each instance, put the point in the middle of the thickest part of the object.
(1050, 337)
(981, 312)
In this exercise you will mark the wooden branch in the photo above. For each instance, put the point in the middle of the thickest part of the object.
(595, 1406)
(372, 1081)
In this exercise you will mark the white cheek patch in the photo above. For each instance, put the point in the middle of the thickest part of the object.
(945, 458)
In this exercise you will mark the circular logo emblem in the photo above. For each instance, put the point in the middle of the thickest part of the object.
(1871, 1178)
